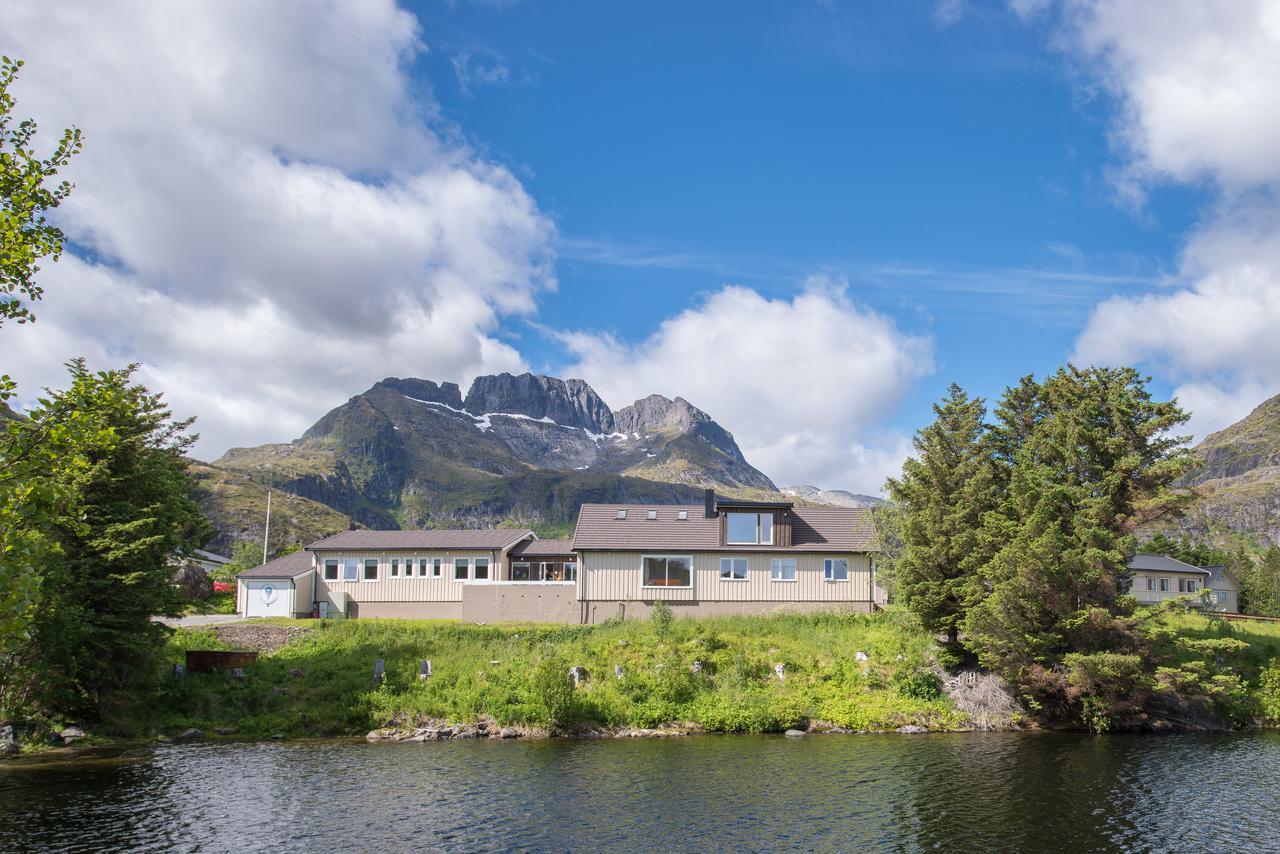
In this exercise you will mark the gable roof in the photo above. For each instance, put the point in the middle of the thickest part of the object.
(201, 554)
(289, 566)
(821, 529)
(542, 548)
(1162, 563)
(439, 539)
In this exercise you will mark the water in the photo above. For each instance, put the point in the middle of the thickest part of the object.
(1027, 792)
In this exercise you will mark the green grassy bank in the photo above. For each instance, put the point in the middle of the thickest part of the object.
(516, 675)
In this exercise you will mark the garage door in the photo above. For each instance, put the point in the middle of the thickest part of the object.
(268, 597)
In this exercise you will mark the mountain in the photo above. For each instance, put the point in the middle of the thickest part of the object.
(832, 497)
(516, 449)
(1238, 481)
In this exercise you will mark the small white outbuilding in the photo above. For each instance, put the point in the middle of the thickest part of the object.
(283, 587)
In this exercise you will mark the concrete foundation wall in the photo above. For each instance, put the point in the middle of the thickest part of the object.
(407, 610)
(639, 610)
(534, 602)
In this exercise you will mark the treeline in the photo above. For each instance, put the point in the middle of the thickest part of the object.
(1016, 526)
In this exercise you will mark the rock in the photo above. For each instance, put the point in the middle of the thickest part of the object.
(296, 673)
(570, 403)
(911, 730)
(9, 748)
(377, 735)
(508, 732)
(6, 731)
(279, 692)
(225, 730)
(192, 581)
(860, 656)
(71, 734)
(192, 734)
(237, 673)
(780, 670)
(795, 733)
(279, 736)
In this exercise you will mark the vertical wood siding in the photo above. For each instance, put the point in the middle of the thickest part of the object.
(401, 589)
(619, 576)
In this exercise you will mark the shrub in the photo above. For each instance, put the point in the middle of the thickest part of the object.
(921, 685)
(553, 688)
(1269, 693)
(660, 615)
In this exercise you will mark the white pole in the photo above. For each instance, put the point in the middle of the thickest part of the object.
(267, 532)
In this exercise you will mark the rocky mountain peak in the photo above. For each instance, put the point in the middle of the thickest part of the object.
(656, 414)
(1249, 444)
(425, 390)
(569, 403)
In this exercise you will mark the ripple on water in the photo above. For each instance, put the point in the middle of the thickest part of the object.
(1026, 792)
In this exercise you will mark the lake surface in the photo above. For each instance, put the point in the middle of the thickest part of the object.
(963, 792)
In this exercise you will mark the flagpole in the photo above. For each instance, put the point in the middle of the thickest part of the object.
(267, 532)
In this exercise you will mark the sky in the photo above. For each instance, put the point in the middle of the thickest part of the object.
(806, 218)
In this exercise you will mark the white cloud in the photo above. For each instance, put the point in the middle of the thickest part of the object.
(801, 382)
(479, 67)
(1198, 88)
(272, 217)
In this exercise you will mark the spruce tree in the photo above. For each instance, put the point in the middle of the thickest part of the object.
(943, 492)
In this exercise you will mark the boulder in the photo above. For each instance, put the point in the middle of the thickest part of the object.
(191, 734)
(225, 730)
(795, 733)
(508, 732)
(911, 730)
(71, 734)
(9, 748)
(192, 581)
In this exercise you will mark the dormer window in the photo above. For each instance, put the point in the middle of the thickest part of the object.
(749, 528)
(621, 514)
(682, 515)
(652, 514)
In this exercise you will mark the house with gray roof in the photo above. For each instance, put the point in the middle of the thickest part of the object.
(1157, 577)
(725, 556)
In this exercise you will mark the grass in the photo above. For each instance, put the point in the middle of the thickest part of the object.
(487, 672)
(215, 603)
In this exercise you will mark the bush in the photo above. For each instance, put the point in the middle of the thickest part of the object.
(660, 615)
(921, 685)
(1269, 693)
(553, 688)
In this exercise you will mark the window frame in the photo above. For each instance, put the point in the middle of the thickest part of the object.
(776, 564)
(524, 566)
(666, 572)
(337, 569)
(829, 570)
(1151, 584)
(466, 567)
(437, 567)
(759, 529)
(393, 568)
(368, 564)
(1164, 586)
(570, 570)
(488, 568)
(355, 566)
(746, 569)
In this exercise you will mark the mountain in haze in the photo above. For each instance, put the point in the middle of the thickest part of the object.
(515, 449)
(832, 497)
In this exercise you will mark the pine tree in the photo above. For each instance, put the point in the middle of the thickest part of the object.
(943, 492)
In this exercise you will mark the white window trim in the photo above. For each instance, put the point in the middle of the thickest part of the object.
(1165, 585)
(437, 567)
(359, 570)
(692, 573)
(784, 580)
(337, 570)
(489, 564)
(848, 570)
(393, 567)
(364, 566)
(720, 569)
(453, 570)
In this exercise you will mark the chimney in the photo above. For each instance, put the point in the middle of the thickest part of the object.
(709, 498)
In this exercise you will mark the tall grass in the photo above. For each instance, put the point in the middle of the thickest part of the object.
(718, 673)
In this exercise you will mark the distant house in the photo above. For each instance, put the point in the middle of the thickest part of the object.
(1157, 577)
(724, 556)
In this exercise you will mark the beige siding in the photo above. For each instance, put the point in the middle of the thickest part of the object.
(617, 576)
(1151, 597)
(388, 589)
(303, 590)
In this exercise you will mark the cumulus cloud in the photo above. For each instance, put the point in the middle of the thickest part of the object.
(267, 216)
(1198, 93)
(802, 382)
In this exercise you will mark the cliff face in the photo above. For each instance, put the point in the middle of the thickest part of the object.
(1238, 481)
(411, 452)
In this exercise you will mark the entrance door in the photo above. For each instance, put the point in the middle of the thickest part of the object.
(268, 597)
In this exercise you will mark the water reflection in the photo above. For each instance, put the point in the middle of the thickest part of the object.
(1031, 792)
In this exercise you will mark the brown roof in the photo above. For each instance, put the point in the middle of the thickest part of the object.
(541, 548)
(441, 539)
(289, 566)
(823, 529)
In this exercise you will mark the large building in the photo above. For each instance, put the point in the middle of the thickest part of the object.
(724, 556)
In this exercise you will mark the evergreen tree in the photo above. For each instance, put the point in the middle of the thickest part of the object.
(117, 460)
(943, 492)
(1260, 583)
(1098, 462)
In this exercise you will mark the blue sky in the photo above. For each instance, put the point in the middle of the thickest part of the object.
(806, 217)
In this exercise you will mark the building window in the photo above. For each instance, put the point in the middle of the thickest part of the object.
(570, 571)
(408, 567)
(437, 567)
(668, 572)
(1164, 585)
(519, 572)
(482, 569)
(395, 567)
(330, 570)
(461, 568)
(782, 569)
(621, 514)
(1220, 596)
(651, 515)
(371, 569)
(1151, 583)
(351, 570)
(749, 528)
(1186, 585)
(835, 569)
(733, 568)
(682, 515)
